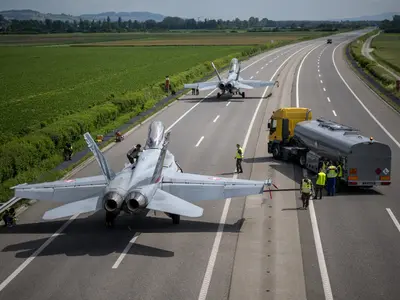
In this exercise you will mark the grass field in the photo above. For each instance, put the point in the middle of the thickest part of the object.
(40, 83)
(387, 49)
(140, 38)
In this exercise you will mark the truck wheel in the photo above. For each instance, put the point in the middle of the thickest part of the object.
(276, 152)
(302, 160)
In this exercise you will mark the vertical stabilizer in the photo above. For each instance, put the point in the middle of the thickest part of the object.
(107, 171)
(160, 163)
(238, 73)
(216, 71)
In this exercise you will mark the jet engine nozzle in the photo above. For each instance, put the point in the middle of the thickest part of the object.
(229, 86)
(221, 86)
(112, 201)
(135, 200)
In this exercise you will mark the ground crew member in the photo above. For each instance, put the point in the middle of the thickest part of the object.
(68, 151)
(331, 175)
(306, 191)
(133, 154)
(239, 157)
(320, 184)
(339, 175)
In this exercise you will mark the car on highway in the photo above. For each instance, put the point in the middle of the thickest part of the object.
(329, 41)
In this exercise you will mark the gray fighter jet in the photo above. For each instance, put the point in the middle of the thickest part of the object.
(233, 84)
(153, 182)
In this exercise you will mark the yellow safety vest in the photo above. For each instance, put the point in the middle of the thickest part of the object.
(340, 171)
(323, 167)
(332, 172)
(238, 155)
(321, 178)
(306, 187)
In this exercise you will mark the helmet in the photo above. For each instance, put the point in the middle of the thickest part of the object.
(138, 146)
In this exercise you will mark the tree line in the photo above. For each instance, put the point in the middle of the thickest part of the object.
(169, 23)
(391, 26)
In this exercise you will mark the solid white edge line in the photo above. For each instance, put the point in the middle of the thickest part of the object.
(359, 101)
(200, 140)
(213, 256)
(127, 248)
(36, 253)
(329, 99)
(215, 120)
(334, 112)
(228, 103)
(314, 223)
(392, 216)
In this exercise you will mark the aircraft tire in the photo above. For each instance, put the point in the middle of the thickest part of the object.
(175, 219)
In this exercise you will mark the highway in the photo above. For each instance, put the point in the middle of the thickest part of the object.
(258, 248)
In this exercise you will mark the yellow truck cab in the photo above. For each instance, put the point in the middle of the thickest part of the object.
(282, 123)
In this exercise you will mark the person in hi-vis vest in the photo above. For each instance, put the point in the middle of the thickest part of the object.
(239, 157)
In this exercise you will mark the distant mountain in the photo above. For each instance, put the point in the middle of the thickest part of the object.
(379, 17)
(28, 14)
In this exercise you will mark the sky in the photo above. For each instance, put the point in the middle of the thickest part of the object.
(224, 9)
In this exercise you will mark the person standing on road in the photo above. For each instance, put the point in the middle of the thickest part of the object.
(306, 191)
(239, 157)
(320, 184)
(332, 174)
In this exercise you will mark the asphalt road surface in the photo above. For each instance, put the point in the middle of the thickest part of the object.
(255, 248)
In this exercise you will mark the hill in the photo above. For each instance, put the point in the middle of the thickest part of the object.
(28, 14)
(379, 17)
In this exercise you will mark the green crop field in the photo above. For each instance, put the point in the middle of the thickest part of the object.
(140, 38)
(39, 84)
(387, 49)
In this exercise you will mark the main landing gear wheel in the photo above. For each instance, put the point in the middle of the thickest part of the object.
(110, 219)
(243, 95)
(302, 161)
(218, 95)
(175, 218)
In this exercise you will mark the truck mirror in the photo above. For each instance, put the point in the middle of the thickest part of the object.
(269, 125)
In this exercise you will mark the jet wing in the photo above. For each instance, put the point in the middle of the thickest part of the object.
(252, 84)
(194, 187)
(202, 86)
(64, 190)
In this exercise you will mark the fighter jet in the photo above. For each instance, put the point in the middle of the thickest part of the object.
(233, 84)
(154, 182)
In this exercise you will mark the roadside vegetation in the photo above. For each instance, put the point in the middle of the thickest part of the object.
(384, 78)
(387, 50)
(55, 94)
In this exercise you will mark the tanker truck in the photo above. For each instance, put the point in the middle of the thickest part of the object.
(293, 135)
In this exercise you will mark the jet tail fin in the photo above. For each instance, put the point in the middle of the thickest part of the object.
(160, 163)
(238, 73)
(216, 71)
(70, 209)
(168, 203)
(105, 168)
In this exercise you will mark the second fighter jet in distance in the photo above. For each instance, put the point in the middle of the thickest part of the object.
(233, 84)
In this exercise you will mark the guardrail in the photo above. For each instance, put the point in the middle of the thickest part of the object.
(6, 205)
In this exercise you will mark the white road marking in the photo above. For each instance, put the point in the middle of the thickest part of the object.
(257, 72)
(251, 77)
(362, 104)
(314, 223)
(392, 216)
(329, 100)
(127, 248)
(318, 70)
(199, 142)
(319, 75)
(298, 73)
(321, 81)
(36, 253)
(213, 256)
(262, 67)
(324, 89)
(228, 103)
(215, 120)
(266, 64)
(334, 113)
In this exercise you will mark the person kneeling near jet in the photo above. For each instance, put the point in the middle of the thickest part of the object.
(134, 153)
